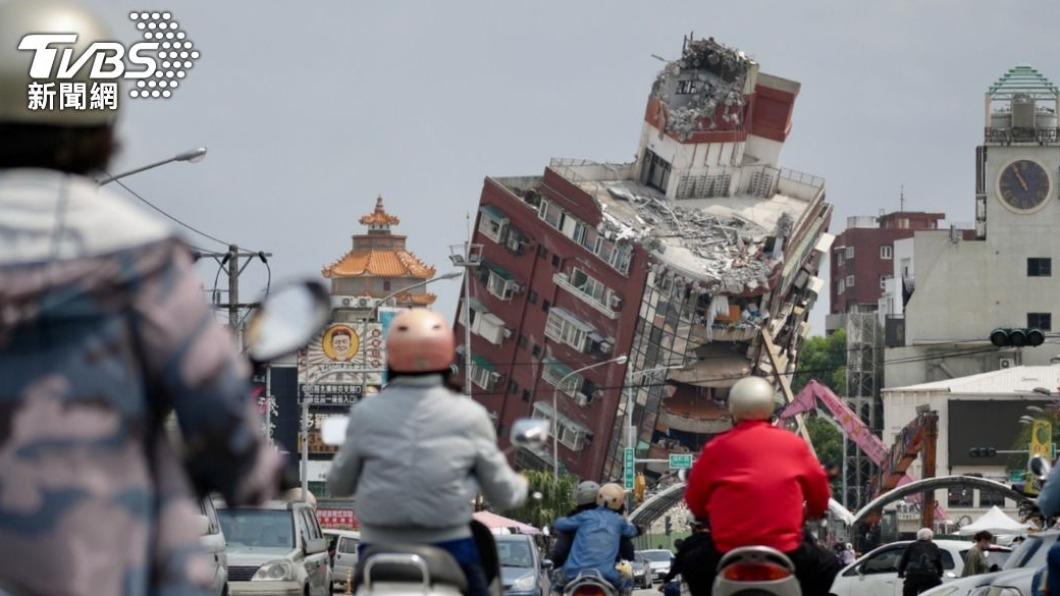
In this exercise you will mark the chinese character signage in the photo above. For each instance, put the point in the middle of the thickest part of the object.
(344, 354)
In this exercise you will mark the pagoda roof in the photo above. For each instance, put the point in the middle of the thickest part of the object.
(379, 263)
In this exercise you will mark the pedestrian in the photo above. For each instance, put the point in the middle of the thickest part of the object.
(104, 334)
(921, 564)
(975, 561)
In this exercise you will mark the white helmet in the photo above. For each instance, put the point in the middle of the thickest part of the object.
(611, 496)
(21, 17)
(751, 398)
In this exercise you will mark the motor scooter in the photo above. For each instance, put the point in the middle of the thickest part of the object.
(589, 583)
(399, 569)
(756, 570)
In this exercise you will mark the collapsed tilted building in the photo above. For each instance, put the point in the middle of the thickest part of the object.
(689, 260)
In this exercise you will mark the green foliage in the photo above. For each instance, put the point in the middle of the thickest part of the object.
(823, 358)
(827, 440)
(557, 499)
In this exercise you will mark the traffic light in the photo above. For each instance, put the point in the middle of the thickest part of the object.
(669, 527)
(1017, 338)
(982, 452)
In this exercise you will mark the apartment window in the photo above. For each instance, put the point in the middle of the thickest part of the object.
(501, 285)
(493, 223)
(656, 171)
(1040, 320)
(513, 387)
(526, 395)
(850, 281)
(482, 374)
(555, 261)
(589, 286)
(563, 327)
(990, 498)
(842, 286)
(532, 297)
(1039, 267)
(839, 256)
(545, 306)
(536, 351)
(850, 252)
(961, 497)
(555, 371)
(542, 252)
(886, 252)
(906, 265)
(686, 87)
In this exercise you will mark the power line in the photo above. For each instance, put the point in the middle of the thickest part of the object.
(167, 215)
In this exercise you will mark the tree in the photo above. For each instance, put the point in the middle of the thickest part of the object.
(557, 498)
(823, 358)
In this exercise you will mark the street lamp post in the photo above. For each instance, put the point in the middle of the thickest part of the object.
(192, 156)
(468, 256)
(555, 407)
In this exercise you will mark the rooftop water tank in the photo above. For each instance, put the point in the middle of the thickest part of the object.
(1045, 119)
(1022, 111)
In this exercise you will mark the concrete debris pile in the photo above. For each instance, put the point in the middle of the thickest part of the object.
(704, 86)
(729, 249)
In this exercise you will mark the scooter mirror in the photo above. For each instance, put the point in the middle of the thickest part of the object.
(287, 320)
(530, 432)
(333, 430)
(1040, 467)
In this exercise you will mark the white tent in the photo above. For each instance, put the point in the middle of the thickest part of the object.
(994, 521)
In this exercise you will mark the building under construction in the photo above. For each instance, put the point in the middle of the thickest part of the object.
(698, 260)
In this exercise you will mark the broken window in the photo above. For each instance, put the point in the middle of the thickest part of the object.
(686, 87)
(1039, 267)
(561, 326)
(492, 223)
(655, 171)
(589, 286)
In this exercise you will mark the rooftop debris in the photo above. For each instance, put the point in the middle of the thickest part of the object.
(705, 85)
(729, 251)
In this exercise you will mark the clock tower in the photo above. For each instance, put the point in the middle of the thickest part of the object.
(1018, 166)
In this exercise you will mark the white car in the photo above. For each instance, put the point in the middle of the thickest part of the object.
(876, 573)
(213, 541)
(1016, 575)
(276, 550)
(342, 545)
(659, 560)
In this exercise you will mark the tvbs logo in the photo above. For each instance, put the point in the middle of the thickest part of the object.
(157, 65)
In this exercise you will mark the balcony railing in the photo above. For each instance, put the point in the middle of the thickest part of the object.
(1022, 135)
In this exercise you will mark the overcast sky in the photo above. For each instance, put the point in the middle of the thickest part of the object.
(311, 109)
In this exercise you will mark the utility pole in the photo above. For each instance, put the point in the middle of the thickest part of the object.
(468, 256)
(234, 262)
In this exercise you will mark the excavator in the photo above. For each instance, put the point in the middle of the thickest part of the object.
(919, 438)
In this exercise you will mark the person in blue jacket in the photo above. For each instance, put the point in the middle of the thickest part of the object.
(598, 533)
(1049, 505)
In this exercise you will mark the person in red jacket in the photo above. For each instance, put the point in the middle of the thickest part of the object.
(756, 485)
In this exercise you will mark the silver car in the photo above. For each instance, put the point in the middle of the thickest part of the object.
(277, 549)
(659, 559)
(213, 542)
(1015, 576)
(343, 550)
(521, 566)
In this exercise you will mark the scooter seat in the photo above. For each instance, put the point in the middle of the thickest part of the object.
(441, 566)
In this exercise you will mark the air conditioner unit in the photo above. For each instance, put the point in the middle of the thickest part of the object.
(363, 302)
(607, 345)
(1007, 362)
(507, 333)
(581, 399)
(616, 301)
(495, 377)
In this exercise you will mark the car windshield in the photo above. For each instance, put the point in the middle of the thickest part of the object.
(656, 556)
(515, 554)
(262, 528)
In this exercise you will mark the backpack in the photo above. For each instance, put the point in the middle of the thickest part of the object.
(921, 561)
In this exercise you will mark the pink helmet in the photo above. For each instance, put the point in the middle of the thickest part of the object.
(419, 341)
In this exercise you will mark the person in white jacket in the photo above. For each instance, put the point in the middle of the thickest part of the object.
(416, 454)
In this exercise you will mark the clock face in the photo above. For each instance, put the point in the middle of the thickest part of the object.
(1023, 185)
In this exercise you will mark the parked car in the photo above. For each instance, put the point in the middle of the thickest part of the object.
(642, 573)
(342, 548)
(522, 570)
(659, 560)
(876, 573)
(213, 541)
(276, 549)
(1017, 572)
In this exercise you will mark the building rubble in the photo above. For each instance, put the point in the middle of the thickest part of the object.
(702, 87)
(730, 251)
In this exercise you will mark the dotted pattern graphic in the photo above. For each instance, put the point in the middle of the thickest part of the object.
(176, 54)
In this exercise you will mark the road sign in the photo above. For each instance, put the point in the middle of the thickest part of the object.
(680, 461)
(629, 469)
